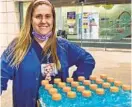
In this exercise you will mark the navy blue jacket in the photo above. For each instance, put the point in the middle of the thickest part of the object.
(26, 79)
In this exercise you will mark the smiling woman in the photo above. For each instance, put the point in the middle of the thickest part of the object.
(37, 54)
(42, 20)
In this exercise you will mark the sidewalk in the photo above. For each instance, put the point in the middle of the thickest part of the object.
(115, 63)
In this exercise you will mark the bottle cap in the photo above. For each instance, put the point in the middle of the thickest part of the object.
(48, 86)
(74, 84)
(67, 89)
(69, 80)
(126, 87)
(61, 84)
(92, 77)
(57, 80)
(103, 76)
(71, 94)
(106, 85)
(80, 88)
(44, 82)
(100, 91)
(99, 81)
(56, 97)
(52, 91)
(117, 83)
(114, 89)
(110, 79)
(86, 93)
(81, 78)
(86, 82)
(93, 86)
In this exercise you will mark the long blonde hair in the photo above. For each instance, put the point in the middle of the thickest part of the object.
(24, 40)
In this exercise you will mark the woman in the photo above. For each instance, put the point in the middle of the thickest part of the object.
(37, 54)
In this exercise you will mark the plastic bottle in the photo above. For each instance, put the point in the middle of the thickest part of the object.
(110, 80)
(114, 96)
(118, 84)
(81, 79)
(74, 84)
(79, 90)
(104, 77)
(48, 86)
(44, 82)
(86, 83)
(92, 78)
(56, 100)
(99, 98)
(86, 98)
(53, 91)
(71, 100)
(93, 87)
(126, 97)
(99, 82)
(60, 86)
(69, 80)
(66, 89)
(44, 94)
(56, 81)
(106, 86)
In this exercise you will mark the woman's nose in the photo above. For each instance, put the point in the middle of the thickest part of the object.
(43, 20)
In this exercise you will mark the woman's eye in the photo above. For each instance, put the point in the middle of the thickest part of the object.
(38, 16)
(48, 16)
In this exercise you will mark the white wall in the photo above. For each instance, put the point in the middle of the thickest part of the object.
(9, 22)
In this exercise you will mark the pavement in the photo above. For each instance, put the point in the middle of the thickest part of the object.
(115, 63)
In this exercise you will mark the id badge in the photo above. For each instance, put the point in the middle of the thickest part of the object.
(48, 70)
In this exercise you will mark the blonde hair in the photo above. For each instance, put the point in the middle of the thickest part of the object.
(24, 40)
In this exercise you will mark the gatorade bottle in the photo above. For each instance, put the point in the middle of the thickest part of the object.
(74, 84)
(71, 99)
(69, 80)
(118, 84)
(99, 82)
(93, 87)
(106, 86)
(79, 90)
(44, 82)
(92, 78)
(66, 89)
(42, 88)
(126, 97)
(81, 79)
(53, 91)
(60, 86)
(104, 77)
(44, 95)
(56, 100)
(56, 81)
(114, 96)
(86, 83)
(110, 80)
(87, 99)
(48, 86)
(99, 98)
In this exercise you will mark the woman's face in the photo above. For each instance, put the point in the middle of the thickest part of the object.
(42, 19)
